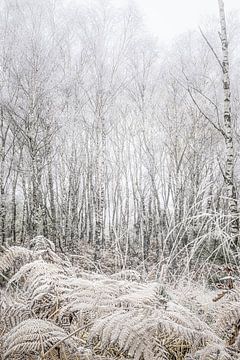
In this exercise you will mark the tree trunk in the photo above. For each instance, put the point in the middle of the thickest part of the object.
(229, 165)
(53, 229)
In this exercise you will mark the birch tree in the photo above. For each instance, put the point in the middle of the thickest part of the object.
(228, 131)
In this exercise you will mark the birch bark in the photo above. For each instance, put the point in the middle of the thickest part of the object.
(228, 129)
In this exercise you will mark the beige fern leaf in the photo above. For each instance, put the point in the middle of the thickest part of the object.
(14, 314)
(91, 276)
(151, 295)
(137, 330)
(214, 352)
(33, 274)
(39, 243)
(14, 257)
(228, 321)
(34, 336)
(131, 275)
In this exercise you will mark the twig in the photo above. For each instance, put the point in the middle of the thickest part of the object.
(67, 337)
(211, 48)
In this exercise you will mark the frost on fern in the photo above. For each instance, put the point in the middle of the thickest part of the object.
(48, 307)
(14, 257)
(214, 352)
(35, 337)
(12, 311)
(41, 243)
(148, 334)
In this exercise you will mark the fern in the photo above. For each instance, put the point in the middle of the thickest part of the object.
(131, 275)
(31, 275)
(34, 336)
(41, 243)
(214, 352)
(50, 307)
(135, 331)
(152, 295)
(228, 322)
(14, 257)
(12, 312)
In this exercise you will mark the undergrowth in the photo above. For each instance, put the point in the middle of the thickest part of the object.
(51, 309)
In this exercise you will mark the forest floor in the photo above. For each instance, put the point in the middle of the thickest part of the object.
(52, 309)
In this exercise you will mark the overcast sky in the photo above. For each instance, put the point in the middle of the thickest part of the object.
(167, 18)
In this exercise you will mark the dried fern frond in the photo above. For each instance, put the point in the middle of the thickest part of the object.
(14, 257)
(50, 256)
(39, 243)
(35, 336)
(152, 295)
(142, 333)
(214, 352)
(88, 299)
(131, 275)
(197, 298)
(183, 316)
(45, 304)
(12, 312)
(228, 321)
(33, 274)
(93, 299)
(91, 276)
(102, 292)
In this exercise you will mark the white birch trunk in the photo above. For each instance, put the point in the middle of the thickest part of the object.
(229, 166)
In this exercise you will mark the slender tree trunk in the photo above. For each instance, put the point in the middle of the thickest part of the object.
(14, 211)
(36, 198)
(53, 228)
(229, 165)
(14, 203)
(2, 190)
(25, 212)
(101, 141)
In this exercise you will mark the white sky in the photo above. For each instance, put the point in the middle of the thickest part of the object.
(167, 18)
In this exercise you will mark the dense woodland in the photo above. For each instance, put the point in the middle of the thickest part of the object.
(110, 140)
(119, 185)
